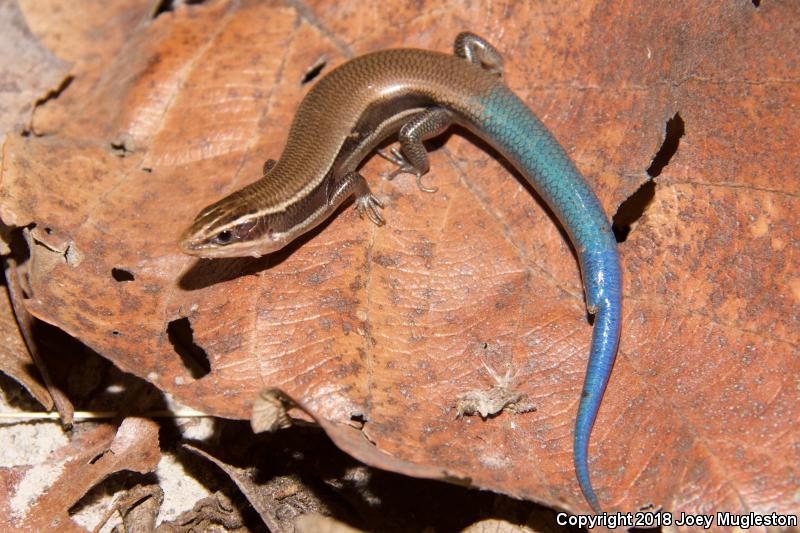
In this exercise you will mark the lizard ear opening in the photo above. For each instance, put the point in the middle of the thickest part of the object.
(243, 230)
(233, 234)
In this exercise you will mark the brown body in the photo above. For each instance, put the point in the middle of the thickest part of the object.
(418, 94)
(341, 120)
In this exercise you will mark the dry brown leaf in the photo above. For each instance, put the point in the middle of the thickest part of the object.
(136, 508)
(494, 525)
(315, 523)
(38, 497)
(91, 39)
(15, 360)
(378, 331)
(28, 70)
(278, 501)
(24, 80)
(17, 276)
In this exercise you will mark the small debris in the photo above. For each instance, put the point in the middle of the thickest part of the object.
(491, 402)
(270, 411)
(136, 508)
(279, 501)
(213, 513)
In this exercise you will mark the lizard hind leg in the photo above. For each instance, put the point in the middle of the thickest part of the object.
(412, 158)
(479, 51)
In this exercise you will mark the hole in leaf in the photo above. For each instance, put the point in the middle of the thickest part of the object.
(116, 333)
(634, 207)
(162, 7)
(314, 71)
(99, 456)
(120, 148)
(55, 93)
(194, 358)
(120, 274)
(675, 130)
(166, 6)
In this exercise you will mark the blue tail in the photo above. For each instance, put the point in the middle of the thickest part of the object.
(602, 279)
(511, 127)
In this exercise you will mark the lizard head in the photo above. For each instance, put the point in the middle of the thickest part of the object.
(232, 228)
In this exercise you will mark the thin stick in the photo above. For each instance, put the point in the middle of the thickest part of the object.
(94, 415)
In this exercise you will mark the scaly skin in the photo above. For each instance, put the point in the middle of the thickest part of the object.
(521, 137)
(418, 94)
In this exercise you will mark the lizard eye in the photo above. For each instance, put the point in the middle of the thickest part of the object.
(223, 237)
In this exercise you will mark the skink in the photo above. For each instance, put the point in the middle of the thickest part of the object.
(418, 94)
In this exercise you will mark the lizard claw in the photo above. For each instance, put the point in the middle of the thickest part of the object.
(404, 167)
(424, 188)
(369, 205)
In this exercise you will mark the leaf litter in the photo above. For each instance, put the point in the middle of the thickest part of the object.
(370, 330)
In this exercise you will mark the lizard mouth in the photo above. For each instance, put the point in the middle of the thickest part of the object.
(203, 248)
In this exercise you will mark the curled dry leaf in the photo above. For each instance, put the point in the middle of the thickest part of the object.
(278, 501)
(377, 327)
(30, 359)
(15, 360)
(137, 509)
(39, 496)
